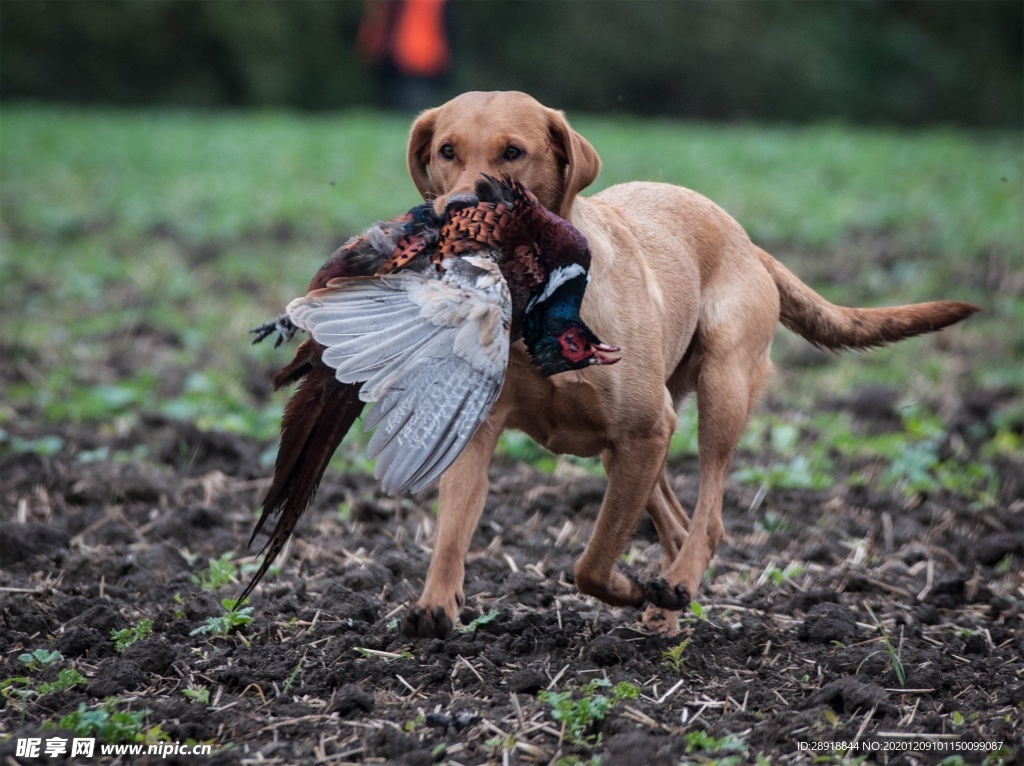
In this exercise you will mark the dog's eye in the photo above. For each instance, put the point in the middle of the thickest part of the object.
(512, 153)
(447, 151)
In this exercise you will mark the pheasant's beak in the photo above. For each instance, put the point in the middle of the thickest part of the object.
(603, 353)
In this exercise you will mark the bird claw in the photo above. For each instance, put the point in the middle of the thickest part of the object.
(421, 622)
(281, 324)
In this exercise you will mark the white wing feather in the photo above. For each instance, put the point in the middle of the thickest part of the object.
(431, 353)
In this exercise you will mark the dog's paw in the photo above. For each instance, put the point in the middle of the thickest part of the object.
(671, 597)
(421, 622)
(663, 622)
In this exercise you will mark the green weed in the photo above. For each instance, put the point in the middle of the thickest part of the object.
(771, 522)
(44, 445)
(1006, 564)
(35, 661)
(674, 657)
(412, 724)
(697, 612)
(110, 725)
(219, 573)
(483, 619)
(128, 636)
(225, 624)
(579, 714)
(39, 658)
(912, 459)
(66, 678)
(684, 440)
(507, 742)
(780, 576)
(731, 749)
(22, 686)
(199, 695)
(797, 473)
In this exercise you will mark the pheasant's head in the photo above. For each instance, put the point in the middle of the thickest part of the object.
(556, 337)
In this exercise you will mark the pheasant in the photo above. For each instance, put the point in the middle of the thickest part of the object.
(417, 315)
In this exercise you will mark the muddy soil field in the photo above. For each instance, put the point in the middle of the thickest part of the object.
(842, 616)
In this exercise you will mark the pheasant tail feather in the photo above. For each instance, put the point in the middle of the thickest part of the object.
(316, 419)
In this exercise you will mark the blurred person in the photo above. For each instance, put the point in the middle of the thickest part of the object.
(407, 42)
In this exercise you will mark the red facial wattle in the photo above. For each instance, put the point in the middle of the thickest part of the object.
(576, 348)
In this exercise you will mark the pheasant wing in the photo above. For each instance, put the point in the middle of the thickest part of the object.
(430, 352)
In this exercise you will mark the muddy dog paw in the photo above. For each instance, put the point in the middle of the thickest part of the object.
(422, 622)
(659, 593)
(661, 621)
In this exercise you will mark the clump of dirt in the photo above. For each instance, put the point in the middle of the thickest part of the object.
(900, 621)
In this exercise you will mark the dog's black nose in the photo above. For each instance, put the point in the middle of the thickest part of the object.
(460, 201)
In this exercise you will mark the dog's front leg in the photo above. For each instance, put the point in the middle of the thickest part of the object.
(634, 464)
(671, 522)
(463, 493)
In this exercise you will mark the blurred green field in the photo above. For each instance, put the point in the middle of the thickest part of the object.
(138, 248)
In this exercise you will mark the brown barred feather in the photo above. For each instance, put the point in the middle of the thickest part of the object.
(407, 248)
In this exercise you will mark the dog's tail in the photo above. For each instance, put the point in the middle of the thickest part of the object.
(837, 327)
(316, 419)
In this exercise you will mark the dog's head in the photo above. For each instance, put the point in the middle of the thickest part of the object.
(494, 133)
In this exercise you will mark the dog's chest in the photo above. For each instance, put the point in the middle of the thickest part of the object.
(562, 413)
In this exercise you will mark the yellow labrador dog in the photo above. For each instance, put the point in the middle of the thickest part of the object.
(692, 302)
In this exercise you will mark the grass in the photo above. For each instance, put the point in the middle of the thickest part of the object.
(937, 191)
(138, 248)
(921, 458)
(894, 655)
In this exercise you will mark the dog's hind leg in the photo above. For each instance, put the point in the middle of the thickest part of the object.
(670, 520)
(726, 390)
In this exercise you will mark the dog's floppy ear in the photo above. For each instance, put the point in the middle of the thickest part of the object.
(418, 154)
(581, 164)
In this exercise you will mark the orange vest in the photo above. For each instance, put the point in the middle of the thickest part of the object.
(420, 46)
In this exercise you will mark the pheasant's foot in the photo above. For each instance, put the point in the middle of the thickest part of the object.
(281, 324)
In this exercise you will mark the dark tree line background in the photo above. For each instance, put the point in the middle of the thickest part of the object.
(882, 61)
